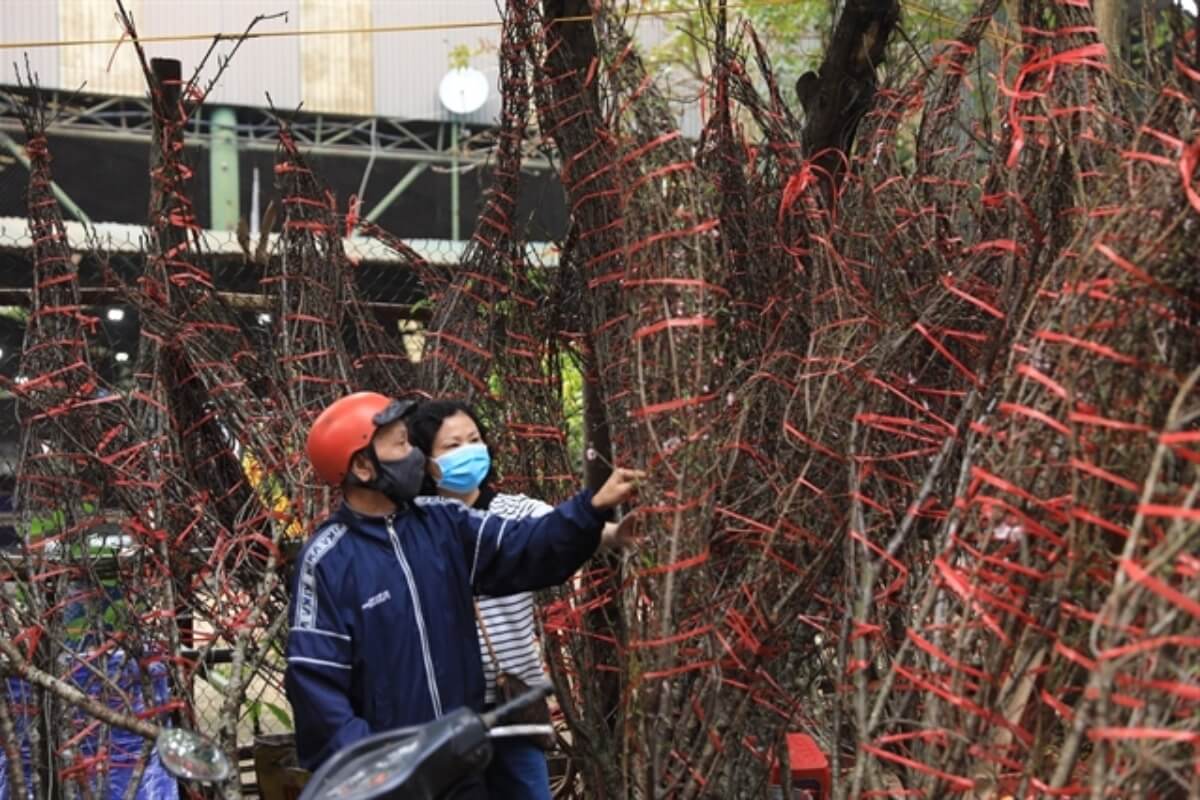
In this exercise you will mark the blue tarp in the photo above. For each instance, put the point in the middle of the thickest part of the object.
(108, 779)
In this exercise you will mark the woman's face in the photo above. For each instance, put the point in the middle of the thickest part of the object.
(457, 430)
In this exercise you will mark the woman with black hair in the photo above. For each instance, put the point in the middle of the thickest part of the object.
(381, 617)
(452, 436)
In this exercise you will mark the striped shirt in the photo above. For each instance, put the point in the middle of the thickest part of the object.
(509, 619)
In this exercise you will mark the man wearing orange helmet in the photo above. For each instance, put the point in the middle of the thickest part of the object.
(382, 618)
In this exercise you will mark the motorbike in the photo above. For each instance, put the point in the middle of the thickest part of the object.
(421, 762)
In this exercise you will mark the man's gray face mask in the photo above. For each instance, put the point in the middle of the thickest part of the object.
(400, 479)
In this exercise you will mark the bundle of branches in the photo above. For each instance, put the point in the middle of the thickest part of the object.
(930, 474)
(197, 541)
(466, 327)
(526, 370)
(309, 284)
(1039, 323)
(977, 396)
(209, 396)
(49, 619)
(491, 337)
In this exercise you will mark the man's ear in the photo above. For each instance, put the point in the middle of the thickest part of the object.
(361, 466)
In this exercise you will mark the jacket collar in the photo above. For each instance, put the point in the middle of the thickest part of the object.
(374, 526)
(486, 495)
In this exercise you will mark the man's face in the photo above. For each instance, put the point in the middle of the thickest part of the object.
(390, 443)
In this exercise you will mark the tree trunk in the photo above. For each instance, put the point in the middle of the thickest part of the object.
(1112, 21)
(836, 97)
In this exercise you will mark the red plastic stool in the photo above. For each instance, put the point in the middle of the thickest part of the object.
(811, 778)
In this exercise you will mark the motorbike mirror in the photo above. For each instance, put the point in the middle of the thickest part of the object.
(193, 757)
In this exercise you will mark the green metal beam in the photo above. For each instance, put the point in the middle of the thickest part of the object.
(224, 188)
(401, 185)
(64, 199)
(455, 233)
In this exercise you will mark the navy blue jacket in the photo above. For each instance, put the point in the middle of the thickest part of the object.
(382, 621)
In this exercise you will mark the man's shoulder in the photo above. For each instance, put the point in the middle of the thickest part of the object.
(447, 506)
(329, 535)
(323, 561)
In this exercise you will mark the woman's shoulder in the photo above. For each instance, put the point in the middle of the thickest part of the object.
(518, 506)
(435, 516)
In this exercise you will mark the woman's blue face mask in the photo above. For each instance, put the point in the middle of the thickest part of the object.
(464, 468)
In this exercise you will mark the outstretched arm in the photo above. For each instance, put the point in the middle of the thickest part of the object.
(508, 556)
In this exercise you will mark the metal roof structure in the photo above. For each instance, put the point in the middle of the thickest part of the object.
(392, 74)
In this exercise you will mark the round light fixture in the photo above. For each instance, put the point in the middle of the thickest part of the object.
(463, 90)
(121, 357)
(115, 314)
